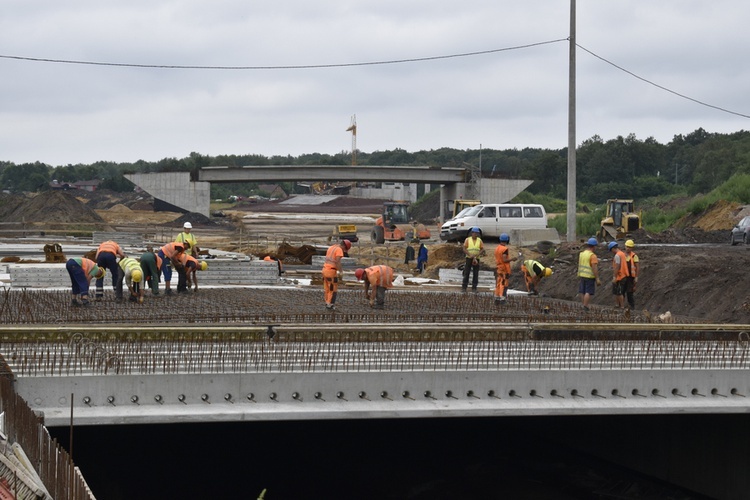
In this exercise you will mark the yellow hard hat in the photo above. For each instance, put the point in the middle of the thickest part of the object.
(136, 275)
(101, 273)
(547, 272)
(203, 265)
(630, 244)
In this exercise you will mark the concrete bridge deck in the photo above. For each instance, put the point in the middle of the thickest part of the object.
(181, 373)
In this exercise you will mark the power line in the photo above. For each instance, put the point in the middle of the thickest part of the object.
(300, 66)
(370, 63)
(660, 86)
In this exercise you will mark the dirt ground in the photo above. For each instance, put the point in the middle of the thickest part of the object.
(688, 270)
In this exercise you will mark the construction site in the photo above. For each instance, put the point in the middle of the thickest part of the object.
(433, 351)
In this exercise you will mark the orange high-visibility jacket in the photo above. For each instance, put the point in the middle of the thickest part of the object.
(380, 276)
(620, 268)
(334, 254)
(502, 266)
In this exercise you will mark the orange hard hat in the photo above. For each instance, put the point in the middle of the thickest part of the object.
(359, 273)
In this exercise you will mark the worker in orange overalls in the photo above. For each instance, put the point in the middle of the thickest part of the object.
(619, 273)
(106, 257)
(380, 278)
(170, 257)
(332, 271)
(503, 260)
(634, 267)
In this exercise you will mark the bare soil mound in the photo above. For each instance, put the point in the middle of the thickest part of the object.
(53, 206)
(193, 218)
(8, 203)
(701, 281)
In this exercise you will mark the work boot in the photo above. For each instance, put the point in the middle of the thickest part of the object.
(168, 291)
(330, 307)
(85, 302)
(75, 303)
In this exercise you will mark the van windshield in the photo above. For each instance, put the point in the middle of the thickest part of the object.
(473, 211)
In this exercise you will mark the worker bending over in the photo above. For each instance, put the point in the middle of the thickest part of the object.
(380, 278)
(81, 270)
(151, 265)
(170, 257)
(106, 257)
(503, 260)
(131, 273)
(533, 272)
(332, 272)
(191, 265)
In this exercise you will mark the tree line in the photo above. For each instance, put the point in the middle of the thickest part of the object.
(624, 166)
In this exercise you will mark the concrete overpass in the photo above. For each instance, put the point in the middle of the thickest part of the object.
(178, 190)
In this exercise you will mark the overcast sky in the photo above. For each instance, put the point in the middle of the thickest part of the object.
(61, 113)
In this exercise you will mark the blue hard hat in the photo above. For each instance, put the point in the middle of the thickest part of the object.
(593, 242)
(504, 238)
(612, 244)
(475, 229)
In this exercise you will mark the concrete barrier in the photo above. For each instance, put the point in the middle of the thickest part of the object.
(530, 237)
(451, 276)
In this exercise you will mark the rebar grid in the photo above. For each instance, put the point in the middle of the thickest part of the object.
(256, 352)
(285, 305)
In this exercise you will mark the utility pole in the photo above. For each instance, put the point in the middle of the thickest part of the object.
(571, 216)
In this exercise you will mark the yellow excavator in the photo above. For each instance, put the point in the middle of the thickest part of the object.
(619, 220)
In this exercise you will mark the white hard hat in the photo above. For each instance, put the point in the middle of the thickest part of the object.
(187, 225)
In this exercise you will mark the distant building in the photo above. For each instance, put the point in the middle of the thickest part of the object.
(87, 185)
(82, 185)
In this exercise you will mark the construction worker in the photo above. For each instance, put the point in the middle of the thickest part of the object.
(332, 272)
(380, 278)
(191, 265)
(170, 257)
(473, 249)
(633, 263)
(151, 265)
(81, 270)
(106, 257)
(186, 236)
(619, 273)
(503, 260)
(421, 258)
(533, 272)
(588, 272)
(131, 273)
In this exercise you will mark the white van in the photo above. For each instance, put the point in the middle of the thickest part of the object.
(494, 219)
